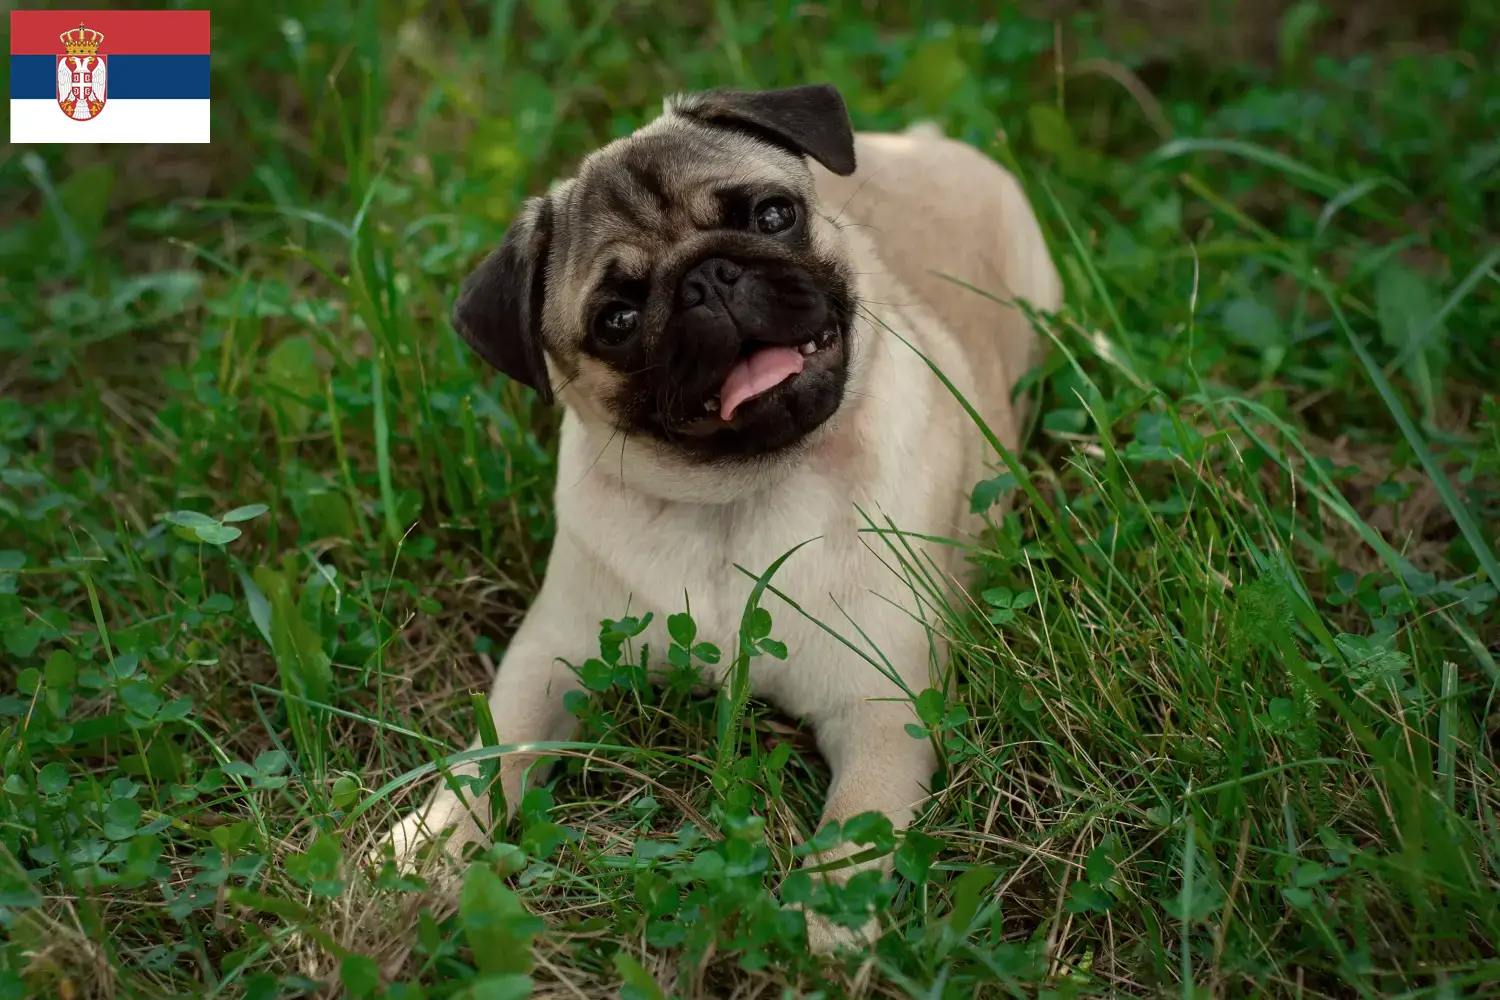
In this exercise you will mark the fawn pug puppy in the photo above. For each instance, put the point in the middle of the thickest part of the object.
(712, 299)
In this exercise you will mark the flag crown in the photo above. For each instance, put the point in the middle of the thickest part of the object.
(82, 41)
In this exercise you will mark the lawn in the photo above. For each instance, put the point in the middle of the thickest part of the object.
(1226, 719)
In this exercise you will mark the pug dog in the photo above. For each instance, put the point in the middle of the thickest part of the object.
(738, 307)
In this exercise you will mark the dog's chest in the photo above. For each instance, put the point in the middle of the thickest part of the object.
(669, 557)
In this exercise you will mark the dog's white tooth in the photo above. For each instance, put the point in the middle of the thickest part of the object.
(711, 405)
(808, 348)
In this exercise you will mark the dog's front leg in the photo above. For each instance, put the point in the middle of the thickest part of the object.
(526, 702)
(876, 767)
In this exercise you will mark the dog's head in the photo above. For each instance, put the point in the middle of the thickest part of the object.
(684, 286)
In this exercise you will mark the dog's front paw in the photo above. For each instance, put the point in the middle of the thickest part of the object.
(824, 937)
(446, 822)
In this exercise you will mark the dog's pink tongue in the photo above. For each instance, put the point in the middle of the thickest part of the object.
(761, 371)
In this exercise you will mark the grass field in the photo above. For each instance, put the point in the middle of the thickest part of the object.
(1226, 721)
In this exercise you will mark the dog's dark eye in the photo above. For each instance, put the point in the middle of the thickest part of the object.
(775, 215)
(617, 323)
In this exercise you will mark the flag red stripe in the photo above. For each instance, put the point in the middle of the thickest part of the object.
(126, 32)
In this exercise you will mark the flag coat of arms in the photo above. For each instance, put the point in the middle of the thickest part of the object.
(109, 76)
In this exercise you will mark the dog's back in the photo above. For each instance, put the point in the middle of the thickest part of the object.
(933, 207)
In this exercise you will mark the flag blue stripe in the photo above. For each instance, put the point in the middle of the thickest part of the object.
(130, 77)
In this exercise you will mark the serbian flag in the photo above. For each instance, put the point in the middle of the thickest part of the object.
(109, 76)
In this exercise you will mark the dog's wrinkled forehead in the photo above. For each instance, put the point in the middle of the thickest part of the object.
(637, 196)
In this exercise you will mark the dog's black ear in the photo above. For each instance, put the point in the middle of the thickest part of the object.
(499, 309)
(810, 120)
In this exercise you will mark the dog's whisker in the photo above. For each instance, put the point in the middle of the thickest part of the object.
(854, 194)
(602, 450)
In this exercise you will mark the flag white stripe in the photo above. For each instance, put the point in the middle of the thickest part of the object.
(122, 120)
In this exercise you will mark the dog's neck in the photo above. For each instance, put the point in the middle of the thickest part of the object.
(591, 448)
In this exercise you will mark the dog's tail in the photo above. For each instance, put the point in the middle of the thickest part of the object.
(925, 129)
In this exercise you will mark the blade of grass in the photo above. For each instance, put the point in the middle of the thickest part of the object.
(1454, 504)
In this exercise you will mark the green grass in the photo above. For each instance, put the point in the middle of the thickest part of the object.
(1226, 721)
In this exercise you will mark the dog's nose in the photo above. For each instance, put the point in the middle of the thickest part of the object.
(713, 275)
